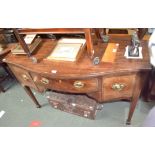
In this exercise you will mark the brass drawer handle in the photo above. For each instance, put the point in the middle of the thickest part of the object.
(25, 77)
(78, 84)
(45, 81)
(118, 86)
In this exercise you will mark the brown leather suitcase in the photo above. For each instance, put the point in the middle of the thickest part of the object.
(76, 104)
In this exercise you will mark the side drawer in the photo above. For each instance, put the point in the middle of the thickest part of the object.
(118, 87)
(23, 76)
(42, 83)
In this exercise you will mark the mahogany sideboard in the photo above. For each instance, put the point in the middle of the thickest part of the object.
(123, 79)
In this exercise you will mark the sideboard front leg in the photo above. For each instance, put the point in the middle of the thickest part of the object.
(29, 92)
(140, 79)
(132, 109)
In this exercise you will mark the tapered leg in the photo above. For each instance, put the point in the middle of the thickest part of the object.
(131, 111)
(140, 78)
(29, 92)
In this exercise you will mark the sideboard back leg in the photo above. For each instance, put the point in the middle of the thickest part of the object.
(29, 92)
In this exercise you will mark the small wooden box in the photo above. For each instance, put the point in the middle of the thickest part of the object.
(79, 105)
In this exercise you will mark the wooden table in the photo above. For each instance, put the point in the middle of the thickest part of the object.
(123, 79)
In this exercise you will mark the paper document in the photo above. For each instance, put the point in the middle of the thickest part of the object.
(67, 49)
(72, 40)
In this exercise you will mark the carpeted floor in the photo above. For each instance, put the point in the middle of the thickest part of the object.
(19, 111)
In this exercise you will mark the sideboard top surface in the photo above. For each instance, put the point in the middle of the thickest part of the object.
(84, 66)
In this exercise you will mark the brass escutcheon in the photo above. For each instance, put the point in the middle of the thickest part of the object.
(45, 81)
(78, 84)
(25, 77)
(118, 86)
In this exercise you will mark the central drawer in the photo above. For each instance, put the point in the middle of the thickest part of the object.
(72, 85)
(76, 86)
